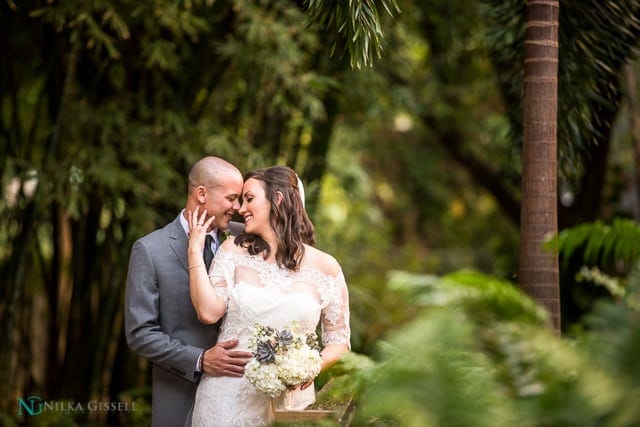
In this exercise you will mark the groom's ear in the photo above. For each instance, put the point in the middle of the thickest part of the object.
(279, 197)
(201, 193)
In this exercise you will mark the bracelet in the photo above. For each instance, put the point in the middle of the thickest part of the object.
(196, 266)
(201, 360)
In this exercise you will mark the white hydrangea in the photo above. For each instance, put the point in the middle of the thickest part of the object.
(264, 377)
(298, 365)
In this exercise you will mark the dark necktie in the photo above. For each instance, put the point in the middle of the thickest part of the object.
(208, 252)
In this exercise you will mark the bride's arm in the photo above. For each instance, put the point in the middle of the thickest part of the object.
(331, 353)
(336, 332)
(208, 305)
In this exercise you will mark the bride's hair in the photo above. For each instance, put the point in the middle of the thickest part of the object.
(289, 219)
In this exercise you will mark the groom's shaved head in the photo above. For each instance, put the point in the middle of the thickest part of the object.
(210, 172)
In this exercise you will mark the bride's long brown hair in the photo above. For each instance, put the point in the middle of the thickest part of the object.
(288, 218)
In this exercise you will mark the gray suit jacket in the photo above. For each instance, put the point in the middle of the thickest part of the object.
(160, 321)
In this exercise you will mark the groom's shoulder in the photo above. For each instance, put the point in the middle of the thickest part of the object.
(160, 233)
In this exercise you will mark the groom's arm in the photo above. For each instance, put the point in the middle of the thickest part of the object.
(143, 331)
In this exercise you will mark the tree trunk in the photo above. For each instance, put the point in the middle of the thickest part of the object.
(539, 275)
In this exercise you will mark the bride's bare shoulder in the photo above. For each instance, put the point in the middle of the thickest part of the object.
(322, 261)
(230, 246)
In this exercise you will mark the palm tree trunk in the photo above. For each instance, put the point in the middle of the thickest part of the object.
(539, 275)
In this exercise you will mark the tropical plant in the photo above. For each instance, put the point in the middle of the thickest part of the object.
(602, 243)
(596, 259)
(481, 354)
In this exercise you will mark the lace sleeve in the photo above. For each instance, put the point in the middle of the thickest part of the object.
(335, 311)
(221, 273)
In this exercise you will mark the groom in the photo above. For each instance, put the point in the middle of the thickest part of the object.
(160, 322)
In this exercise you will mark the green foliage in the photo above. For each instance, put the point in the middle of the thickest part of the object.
(457, 366)
(341, 382)
(601, 243)
(487, 297)
(7, 420)
(346, 220)
(596, 38)
(141, 398)
(614, 344)
(104, 106)
(430, 376)
(596, 259)
(615, 340)
(356, 22)
(435, 90)
(596, 276)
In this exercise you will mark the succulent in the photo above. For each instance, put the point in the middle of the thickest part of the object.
(285, 338)
(265, 353)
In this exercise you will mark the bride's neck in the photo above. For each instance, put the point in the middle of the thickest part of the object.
(271, 240)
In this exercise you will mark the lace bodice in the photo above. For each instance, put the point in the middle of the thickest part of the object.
(257, 291)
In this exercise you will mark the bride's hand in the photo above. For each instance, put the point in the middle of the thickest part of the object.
(305, 385)
(198, 227)
(300, 386)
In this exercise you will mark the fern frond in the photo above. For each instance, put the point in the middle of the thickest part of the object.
(487, 297)
(600, 242)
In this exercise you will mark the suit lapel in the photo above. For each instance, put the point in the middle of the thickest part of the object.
(178, 242)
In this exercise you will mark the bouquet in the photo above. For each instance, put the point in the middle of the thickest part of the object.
(281, 358)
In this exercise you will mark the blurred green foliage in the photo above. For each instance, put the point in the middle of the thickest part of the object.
(411, 165)
(465, 361)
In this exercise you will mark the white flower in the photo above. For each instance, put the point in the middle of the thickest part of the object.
(264, 377)
(298, 365)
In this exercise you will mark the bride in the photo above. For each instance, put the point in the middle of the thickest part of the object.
(269, 275)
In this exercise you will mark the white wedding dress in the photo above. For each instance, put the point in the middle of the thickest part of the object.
(261, 292)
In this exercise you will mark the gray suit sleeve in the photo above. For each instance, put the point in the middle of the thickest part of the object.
(143, 330)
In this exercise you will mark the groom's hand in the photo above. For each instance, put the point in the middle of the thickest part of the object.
(221, 360)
